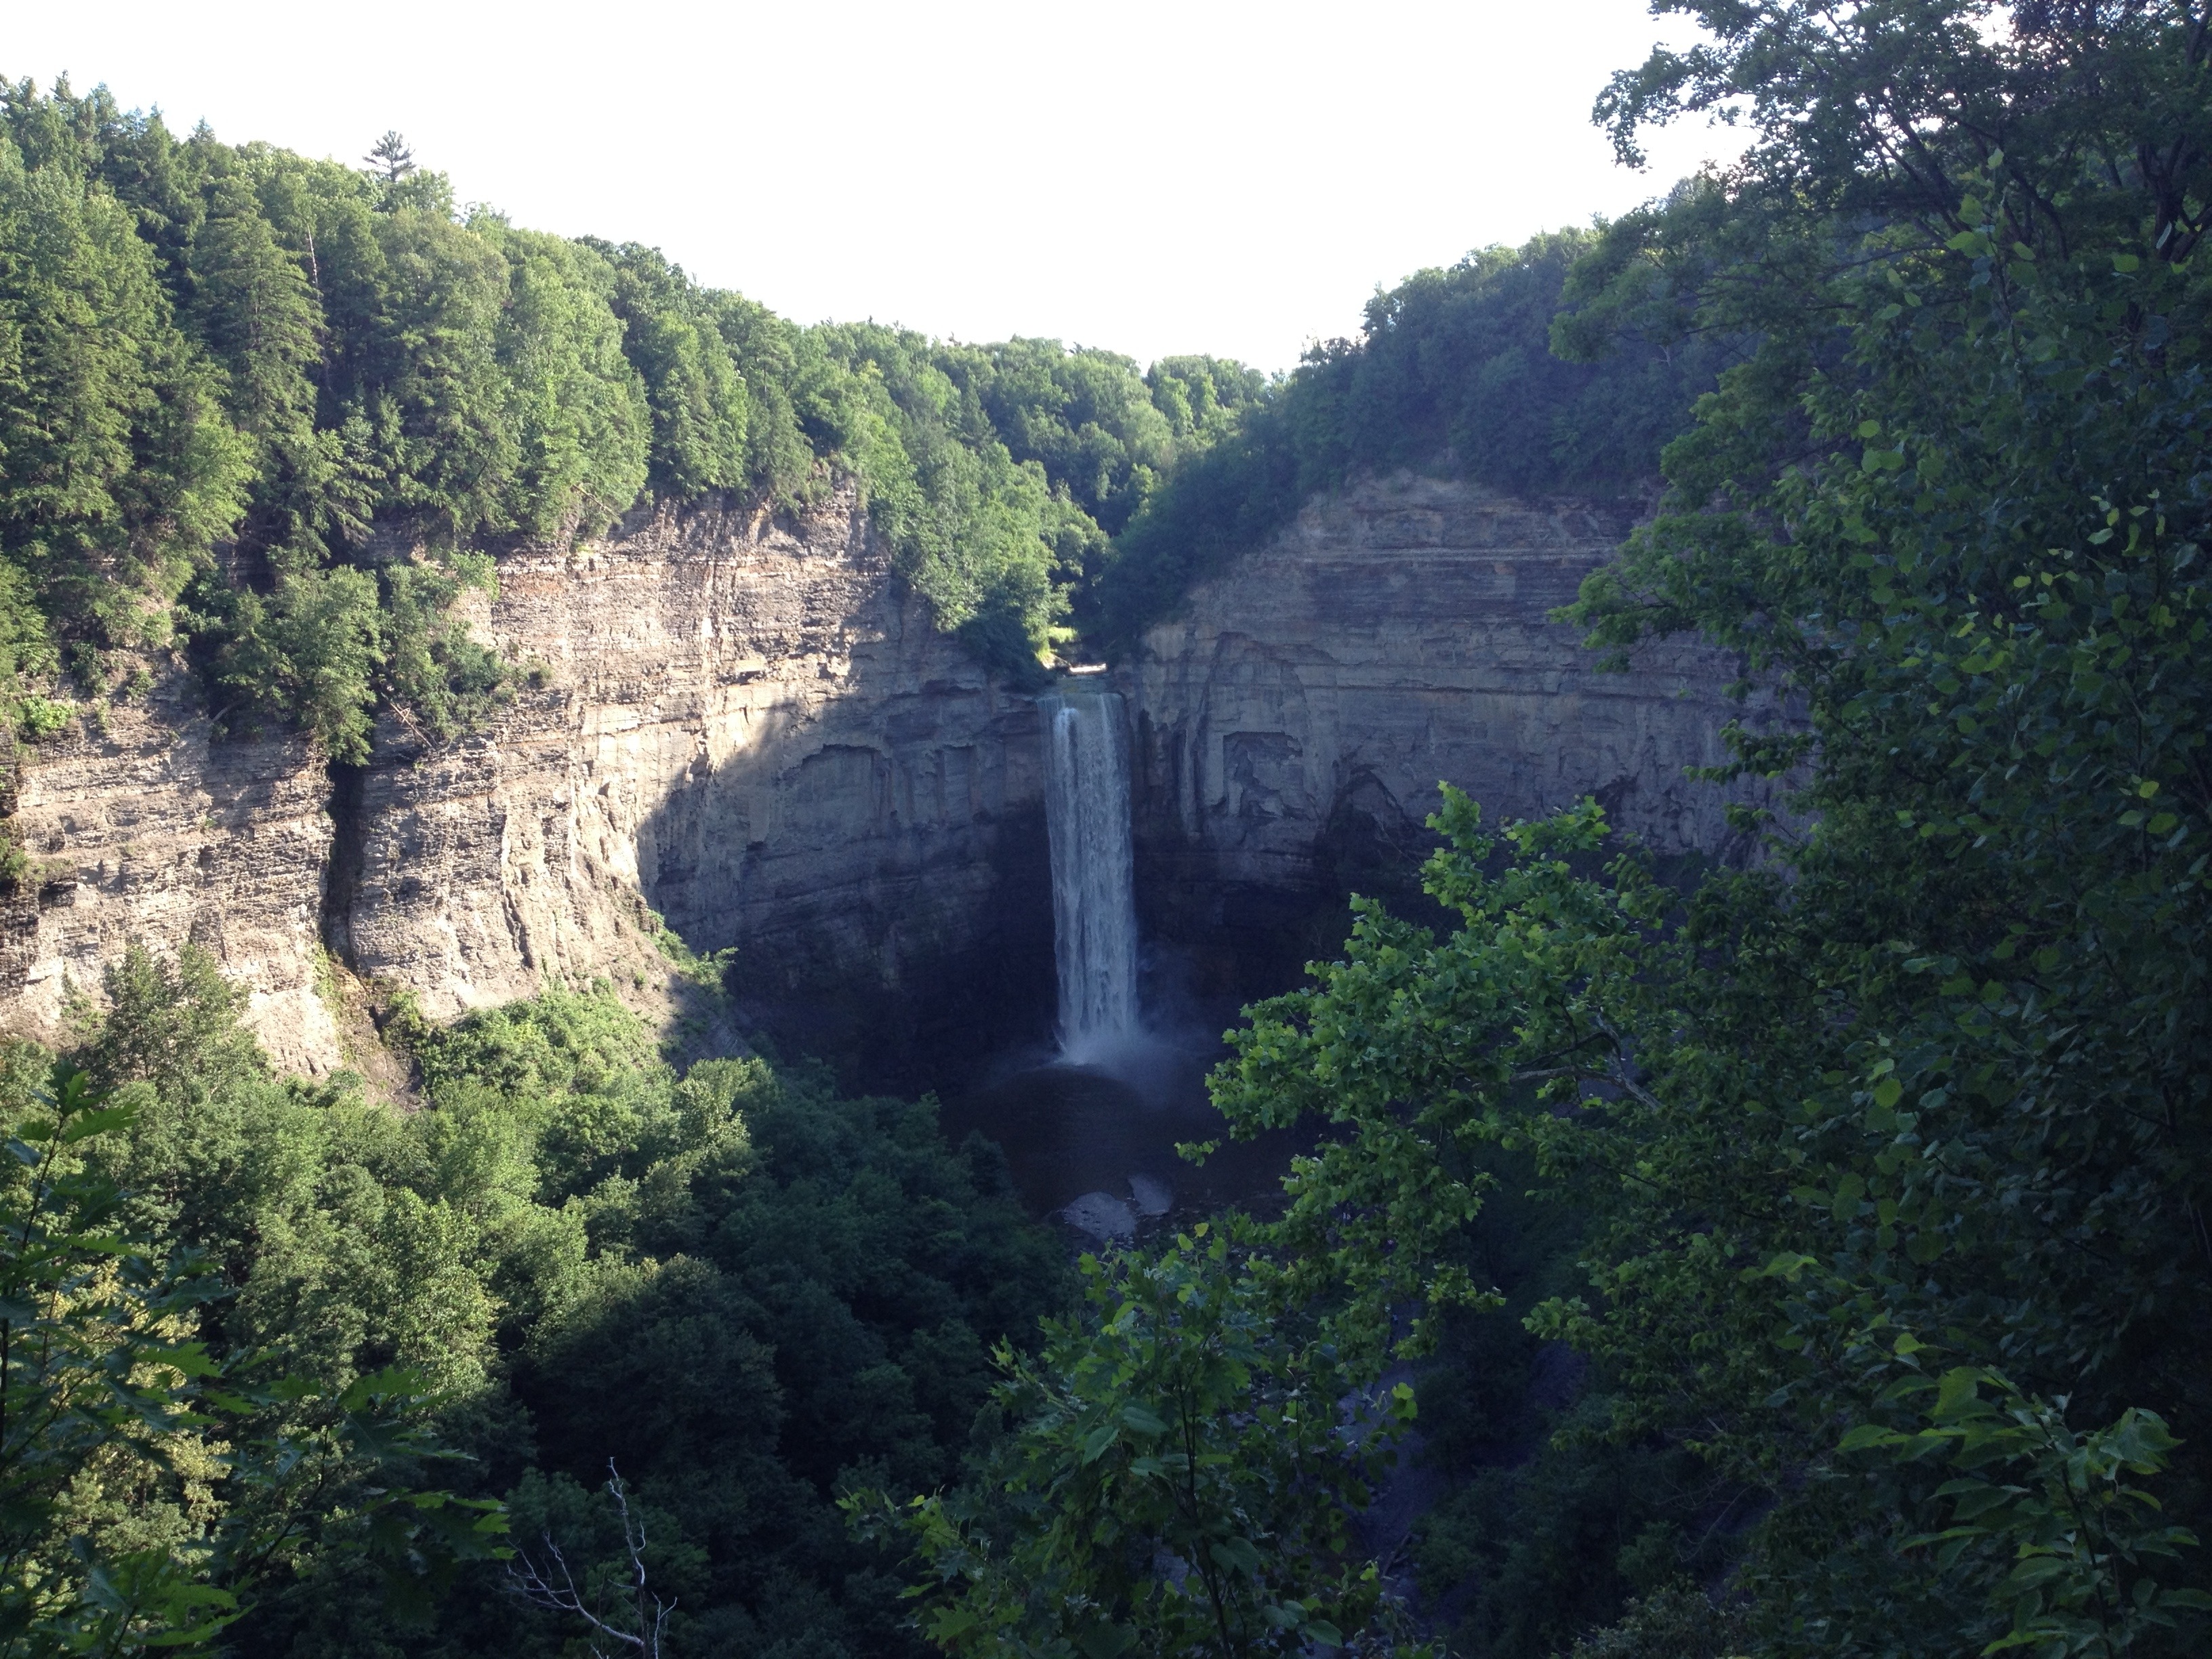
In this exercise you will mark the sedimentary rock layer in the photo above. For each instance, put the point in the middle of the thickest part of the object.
(1296, 717)
(746, 721)
(753, 723)
(147, 830)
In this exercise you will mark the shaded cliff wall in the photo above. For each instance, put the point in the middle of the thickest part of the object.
(752, 721)
(1293, 722)
(748, 721)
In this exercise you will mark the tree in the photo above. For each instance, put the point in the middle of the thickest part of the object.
(390, 158)
(1181, 1478)
(120, 469)
(143, 1491)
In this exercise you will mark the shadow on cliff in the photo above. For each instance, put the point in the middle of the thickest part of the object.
(1215, 944)
(886, 884)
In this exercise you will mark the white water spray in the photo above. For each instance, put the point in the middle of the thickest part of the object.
(1094, 908)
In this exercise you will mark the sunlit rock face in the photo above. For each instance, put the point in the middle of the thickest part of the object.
(743, 719)
(1295, 718)
(746, 721)
(750, 720)
(145, 830)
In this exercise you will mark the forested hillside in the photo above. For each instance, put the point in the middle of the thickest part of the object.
(726, 1286)
(272, 408)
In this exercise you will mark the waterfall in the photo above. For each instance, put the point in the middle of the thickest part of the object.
(1094, 908)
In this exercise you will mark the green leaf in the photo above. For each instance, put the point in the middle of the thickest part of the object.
(85, 1125)
(1869, 1434)
(2036, 1572)
(1958, 1394)
(1237, 1554)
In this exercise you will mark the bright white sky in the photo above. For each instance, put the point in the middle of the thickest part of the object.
(1152, 176)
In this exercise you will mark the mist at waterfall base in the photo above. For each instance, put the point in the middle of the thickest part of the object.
(1090, 1131)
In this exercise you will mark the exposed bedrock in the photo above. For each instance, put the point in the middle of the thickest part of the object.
(750, 721)
(147, 830)
(747, 722)
(1294, 722)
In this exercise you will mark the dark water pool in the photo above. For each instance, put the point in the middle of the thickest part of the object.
(1112, 1128)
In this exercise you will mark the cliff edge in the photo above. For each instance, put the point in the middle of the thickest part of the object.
(747, 723)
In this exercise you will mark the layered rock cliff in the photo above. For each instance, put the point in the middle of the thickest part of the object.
(753, 723)
(746, 721)
(145, 830)
(1294, 720)
(748, 724)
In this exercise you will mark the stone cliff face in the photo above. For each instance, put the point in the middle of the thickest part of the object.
(748, 724)
(1293, 722)
(148, 831)
(753, 724)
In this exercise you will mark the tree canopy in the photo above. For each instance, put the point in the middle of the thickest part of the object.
(1876, 1173)
(740, 1290)
(271, 409)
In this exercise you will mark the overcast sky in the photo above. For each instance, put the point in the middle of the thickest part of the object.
(1203, 175)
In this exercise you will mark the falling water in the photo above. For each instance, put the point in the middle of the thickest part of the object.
(1094, 911)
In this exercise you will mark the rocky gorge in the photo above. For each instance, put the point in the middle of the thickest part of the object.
(745, 726)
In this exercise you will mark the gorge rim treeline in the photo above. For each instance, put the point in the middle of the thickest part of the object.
(1808, 1257)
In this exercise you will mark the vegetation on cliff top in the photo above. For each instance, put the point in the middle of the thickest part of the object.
(266, 407)
(269, 410)
(1453, 375)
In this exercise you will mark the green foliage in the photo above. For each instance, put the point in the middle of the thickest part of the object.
(1658, 1064)
(1898, 1142)
(1528, 1543)
(27, 657)
(119, 467)
(578, 408)
(85, 1371)
(1679, 1622)
(1453, 374)
(2066, 1543)
(143, 1491)
(747, 1292)
(310, 648)
(443, 680)
(1181, 1479)
(999, 471)
(209, 349)
(705, 423)
(1202, 398)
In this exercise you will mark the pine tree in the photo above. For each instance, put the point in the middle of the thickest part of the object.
(390, 158)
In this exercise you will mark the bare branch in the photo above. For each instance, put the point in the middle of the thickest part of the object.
(540, 1587)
